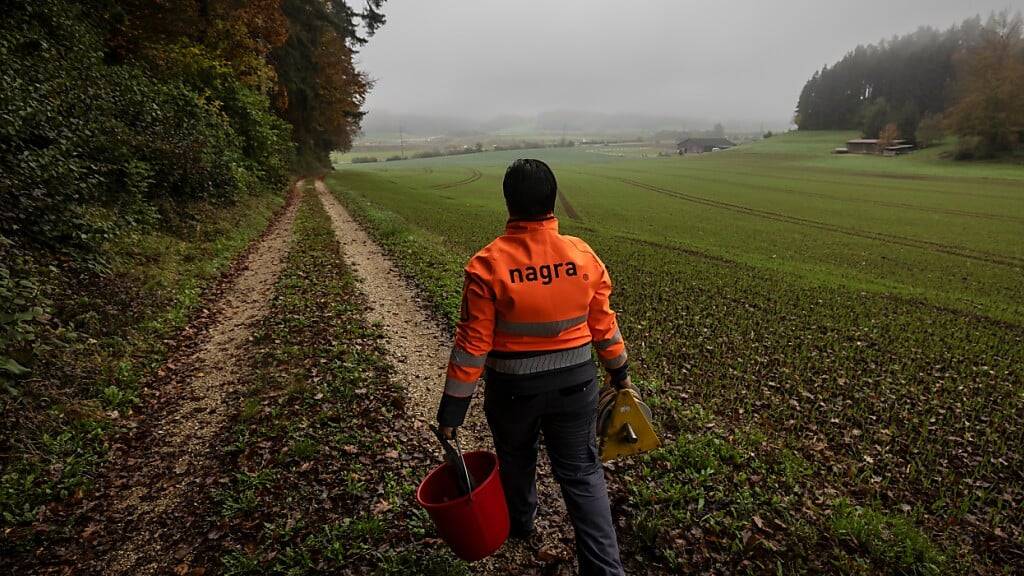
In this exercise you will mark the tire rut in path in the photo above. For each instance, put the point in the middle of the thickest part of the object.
(148, 539)
(419, 349)
(568, 207)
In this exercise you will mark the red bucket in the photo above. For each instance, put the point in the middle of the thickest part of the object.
(473, 525)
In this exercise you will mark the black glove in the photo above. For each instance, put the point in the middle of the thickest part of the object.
(619, 377)
(451, 413)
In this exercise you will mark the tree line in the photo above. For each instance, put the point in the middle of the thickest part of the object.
(967, 81)
(119, 117)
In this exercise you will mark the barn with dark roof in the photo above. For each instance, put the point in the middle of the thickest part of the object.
(701, 145)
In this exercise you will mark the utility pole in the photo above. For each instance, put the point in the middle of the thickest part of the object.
(401, 141)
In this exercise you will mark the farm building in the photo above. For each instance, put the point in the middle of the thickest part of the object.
(862, 146)
(870, 146)
(898, 149)
(701, 145)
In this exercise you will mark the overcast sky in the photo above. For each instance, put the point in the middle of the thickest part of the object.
(715, 59)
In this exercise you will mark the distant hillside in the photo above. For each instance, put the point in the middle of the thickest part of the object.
(553, 121)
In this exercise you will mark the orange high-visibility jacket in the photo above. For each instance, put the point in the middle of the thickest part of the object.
(534, 302)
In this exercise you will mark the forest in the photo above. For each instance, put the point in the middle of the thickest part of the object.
(966, 81)
(120, 116)
(142, 146)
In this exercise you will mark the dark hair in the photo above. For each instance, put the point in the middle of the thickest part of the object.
(530, 188)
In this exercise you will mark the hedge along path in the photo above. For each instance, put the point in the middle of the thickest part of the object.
(419, 349)
(147, 538)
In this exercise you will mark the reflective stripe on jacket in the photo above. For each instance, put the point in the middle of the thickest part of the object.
(533, 301)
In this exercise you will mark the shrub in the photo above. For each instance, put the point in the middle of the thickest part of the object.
(364, 159)
(930, 131)
(972, 147)
(261, 136)
(873, 117)
(428, 153)
(93, 152)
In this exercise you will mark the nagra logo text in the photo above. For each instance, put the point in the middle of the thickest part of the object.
(546, 273)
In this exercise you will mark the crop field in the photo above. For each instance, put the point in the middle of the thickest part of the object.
(833, 345)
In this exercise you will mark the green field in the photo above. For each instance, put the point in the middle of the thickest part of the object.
(834, 345)
(918, 226)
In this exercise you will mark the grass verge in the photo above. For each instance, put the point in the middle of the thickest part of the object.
(106, 335)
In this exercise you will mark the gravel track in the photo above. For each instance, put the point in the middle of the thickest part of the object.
(139, 522)
(220, 364)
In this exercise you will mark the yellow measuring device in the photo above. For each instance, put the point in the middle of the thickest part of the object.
(624, 424)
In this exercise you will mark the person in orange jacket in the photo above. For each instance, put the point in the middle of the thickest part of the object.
(535, 308)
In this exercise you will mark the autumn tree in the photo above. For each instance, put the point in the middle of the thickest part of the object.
(931, 130)
(298, 53)
(325, 91)
(244, 34)
(988, 113)
(240, 33)
(888, 136)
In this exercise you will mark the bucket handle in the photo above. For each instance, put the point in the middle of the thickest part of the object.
(454, 456)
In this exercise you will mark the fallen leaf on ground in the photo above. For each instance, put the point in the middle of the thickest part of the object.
(548, 553)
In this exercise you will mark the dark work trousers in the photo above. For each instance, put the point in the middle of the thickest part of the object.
(567, 418)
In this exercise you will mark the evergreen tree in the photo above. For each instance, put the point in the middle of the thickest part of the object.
(897, 80)
(873, 117)
(325, 92)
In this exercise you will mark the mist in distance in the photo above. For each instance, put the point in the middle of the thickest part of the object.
(616, 66)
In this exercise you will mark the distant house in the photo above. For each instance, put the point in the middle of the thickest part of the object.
(862, 146)
(871, 146)
(701, 145)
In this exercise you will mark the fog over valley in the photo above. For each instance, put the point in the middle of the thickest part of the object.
(610, 66)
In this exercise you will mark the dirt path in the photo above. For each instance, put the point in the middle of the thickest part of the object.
(419, 351)
(140, 527)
